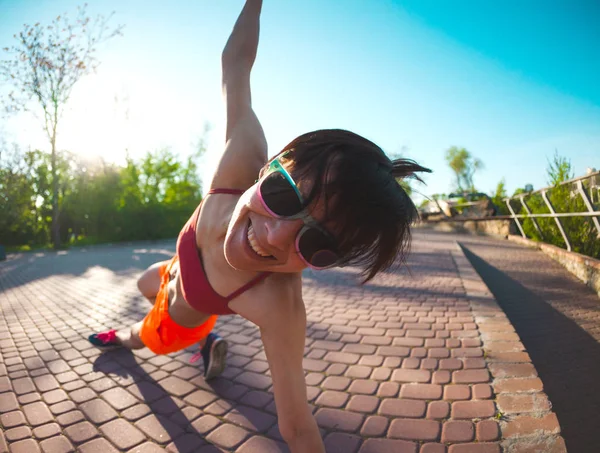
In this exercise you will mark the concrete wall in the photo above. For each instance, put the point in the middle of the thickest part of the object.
(489, 227)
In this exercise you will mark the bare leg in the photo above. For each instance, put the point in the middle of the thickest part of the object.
(130, 338)
(149, 282)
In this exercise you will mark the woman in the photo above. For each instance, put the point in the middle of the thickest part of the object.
(329, 198)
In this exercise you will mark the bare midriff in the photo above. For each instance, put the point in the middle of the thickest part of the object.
(179, 310)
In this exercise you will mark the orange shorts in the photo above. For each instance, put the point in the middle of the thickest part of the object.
(159, 332)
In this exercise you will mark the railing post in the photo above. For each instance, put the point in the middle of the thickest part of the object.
(557, 220)
(535, 224)
(514, 216)
(588, 204)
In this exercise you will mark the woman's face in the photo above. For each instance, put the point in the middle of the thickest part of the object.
(259, 241)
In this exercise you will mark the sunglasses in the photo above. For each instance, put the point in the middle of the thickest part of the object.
(281, 198)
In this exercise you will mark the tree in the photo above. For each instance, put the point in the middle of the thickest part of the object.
(44, 66)
(559, 169)
(464, 166)
(499, 196)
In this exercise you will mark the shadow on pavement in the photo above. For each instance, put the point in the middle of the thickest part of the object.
(566, 357)
(173, 421)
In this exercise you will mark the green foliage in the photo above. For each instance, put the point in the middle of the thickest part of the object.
(150, 198)
(464, 166)
(498, 198)
(564, 198)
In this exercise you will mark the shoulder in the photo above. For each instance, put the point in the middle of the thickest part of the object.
(214, 216)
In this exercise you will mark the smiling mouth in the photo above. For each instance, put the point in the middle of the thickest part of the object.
(254, 245)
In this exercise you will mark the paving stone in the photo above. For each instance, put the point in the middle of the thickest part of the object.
(122, 433)
(62, 407)
(487, 431)
(475, 448)
(336, 383)
(251, 419)
(159, 428)
(341, 443)
(57, 444)
(527, 425)
(438, 410)
(29, 398)
(257, 398)
(458, 431)
(69, 418)
(98, 411)
(176, 386)
(339, 420)
(206, 423)
(136, 412)
(54, 396)
(18, 433)
(25, 446)
(457, 392)
(11, 419)
(387, 446)
(5, 384)
(45, 383)
(473, 409)
(97, 446)
(419, 430)
(402, 408)
(374, 426)
(119, 398)
(37, 413)
(49, 430)
(81, 432)
(417, 376)
(332, 399)
(421, 391)
(432, 448)
(228, 436)
(518, 385)
(363, 386)
(23, 385)
(200, 398)
(258, 444)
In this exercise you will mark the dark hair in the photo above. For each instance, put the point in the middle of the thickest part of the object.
(358, 183)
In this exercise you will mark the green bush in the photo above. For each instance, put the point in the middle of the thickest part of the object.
(99, 202)
(564, 198)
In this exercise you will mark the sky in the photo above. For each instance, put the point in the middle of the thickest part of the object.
(510, 81)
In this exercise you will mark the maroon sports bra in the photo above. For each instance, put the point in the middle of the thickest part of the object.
(194, 282)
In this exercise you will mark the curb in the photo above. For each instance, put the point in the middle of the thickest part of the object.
(527, 422)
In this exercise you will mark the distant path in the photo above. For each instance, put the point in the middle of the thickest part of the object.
(558, 320)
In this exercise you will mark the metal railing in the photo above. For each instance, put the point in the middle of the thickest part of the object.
(579, 191)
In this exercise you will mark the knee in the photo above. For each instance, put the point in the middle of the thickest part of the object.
(149, 282)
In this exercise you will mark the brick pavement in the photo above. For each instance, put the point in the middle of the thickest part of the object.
(415, 363)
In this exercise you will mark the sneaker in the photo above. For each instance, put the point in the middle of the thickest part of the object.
(105, 340)
(213, 354)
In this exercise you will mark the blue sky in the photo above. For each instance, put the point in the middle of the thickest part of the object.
(511, 81)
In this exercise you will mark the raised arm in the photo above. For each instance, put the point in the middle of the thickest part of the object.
(246, 147)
